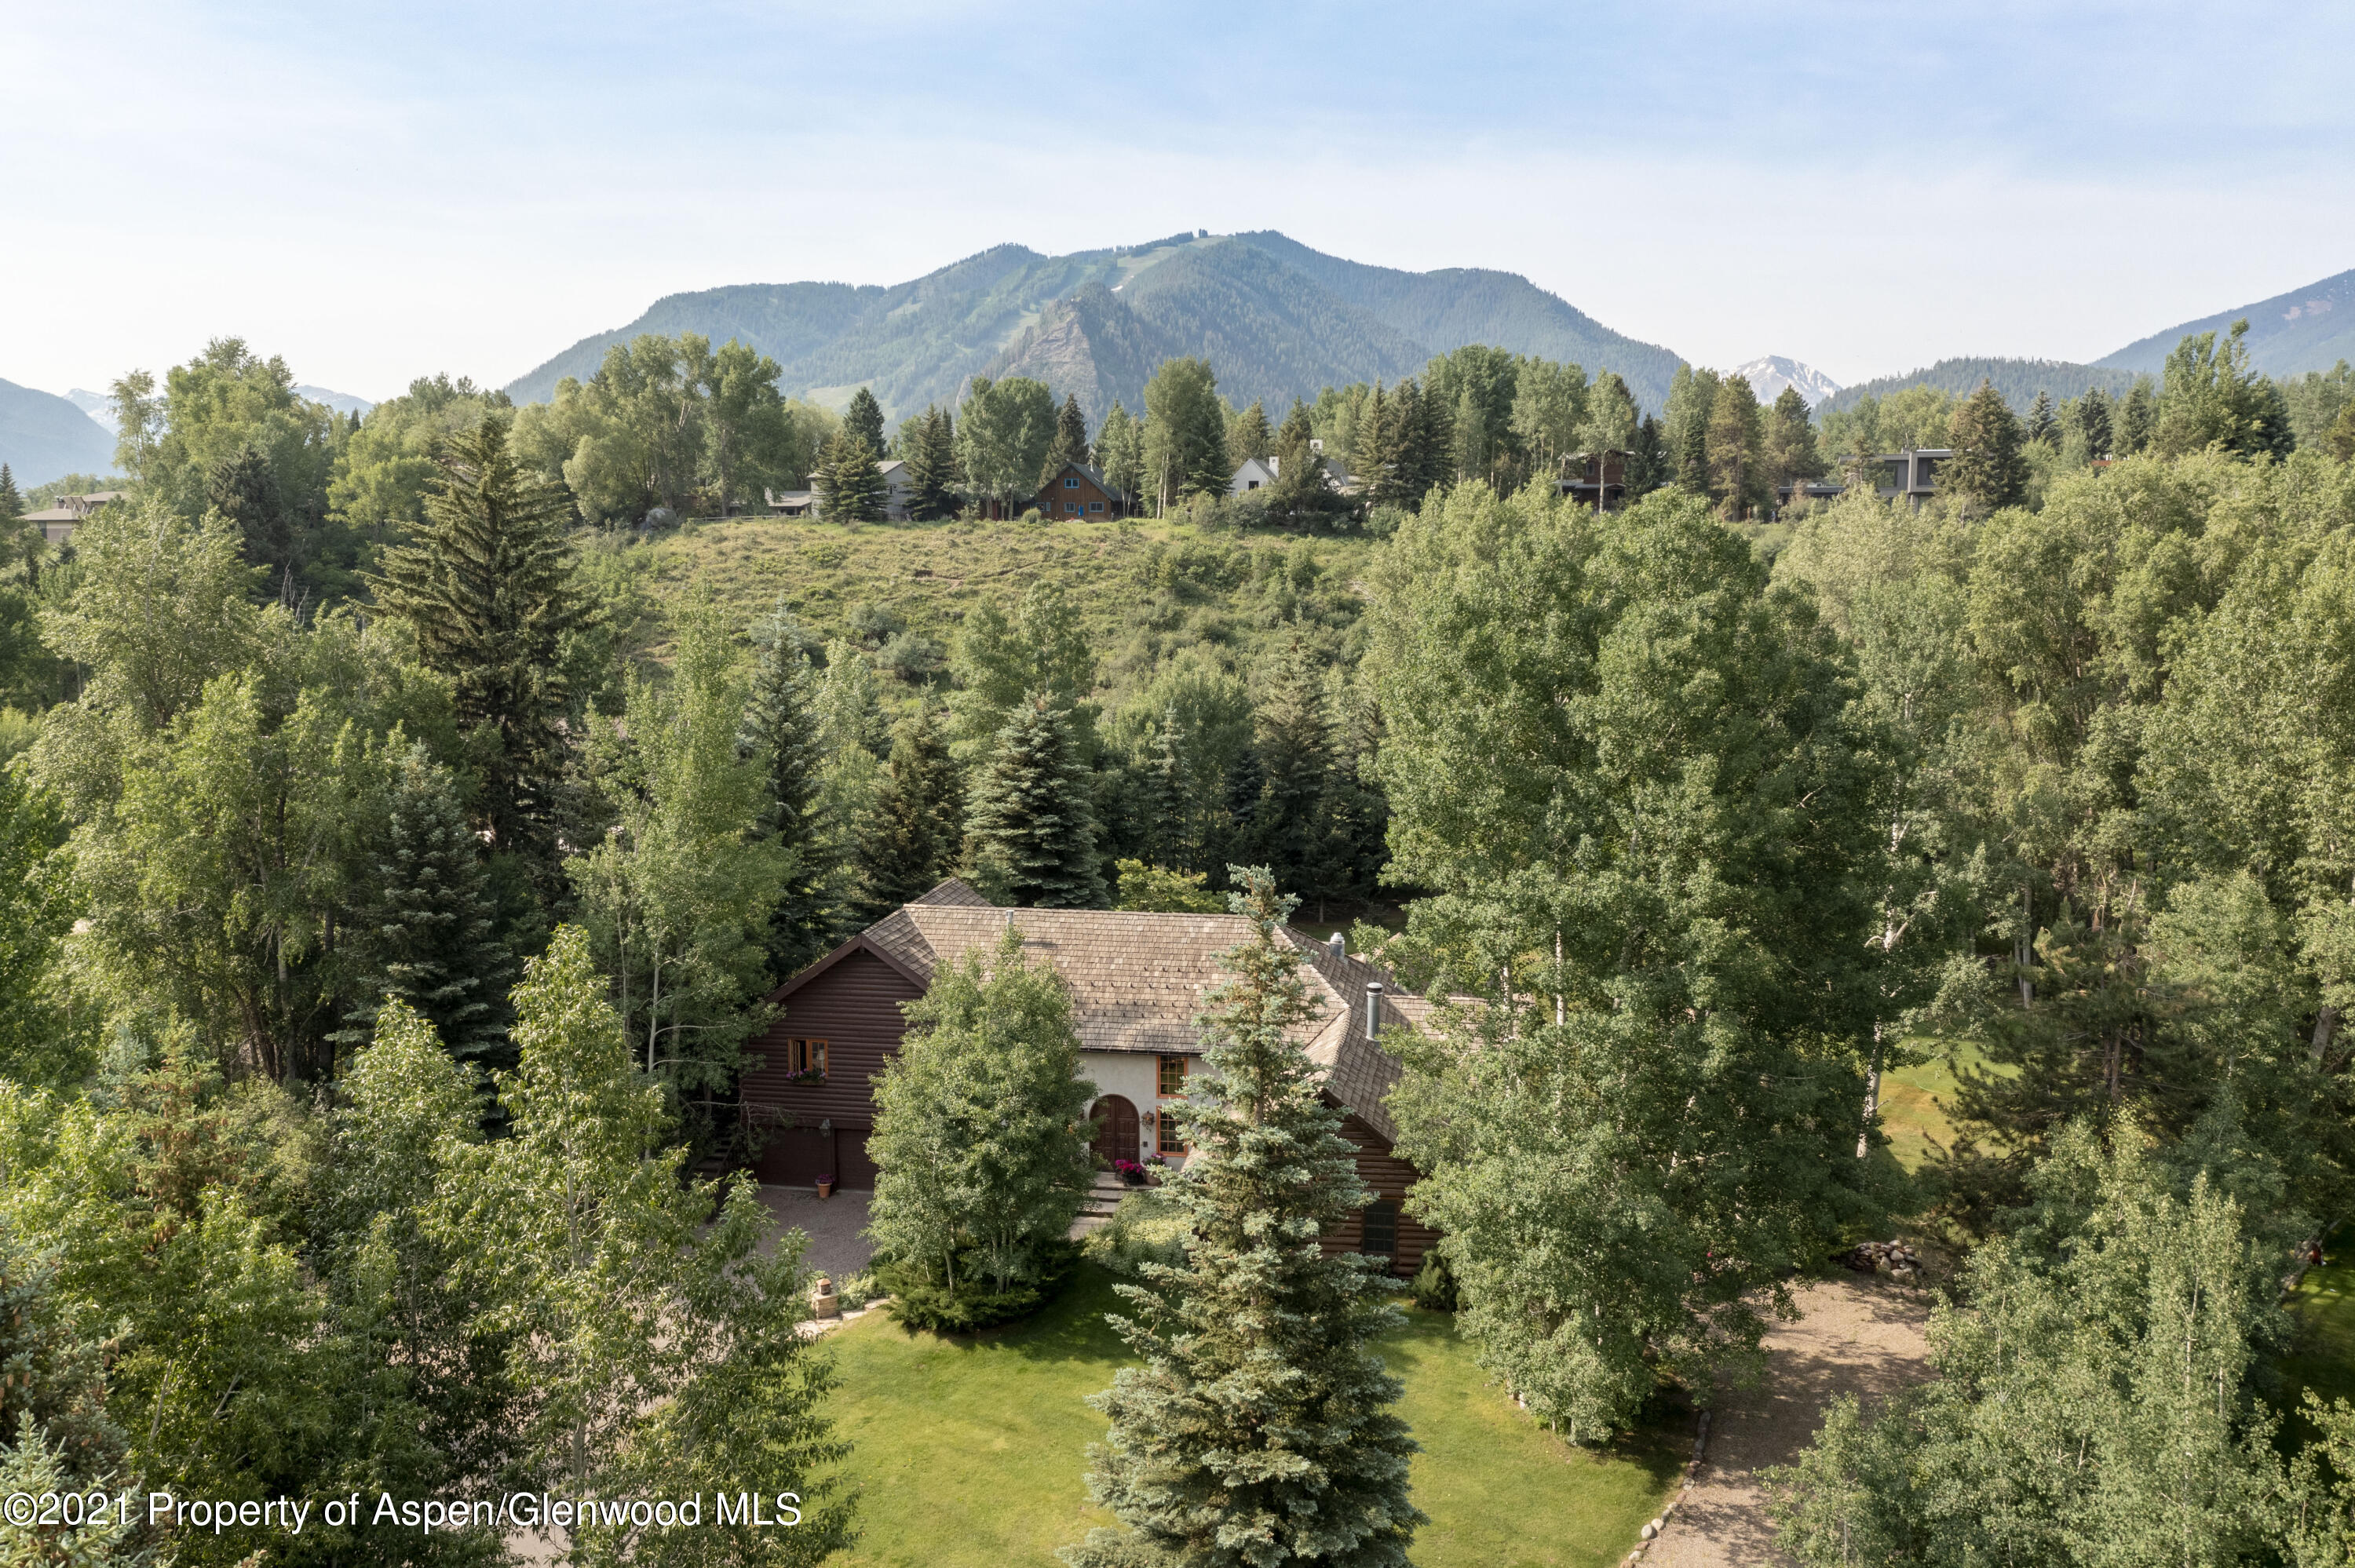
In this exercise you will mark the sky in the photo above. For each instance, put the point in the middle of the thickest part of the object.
(380, 191)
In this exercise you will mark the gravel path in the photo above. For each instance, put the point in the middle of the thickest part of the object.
(1858, 1335)
(836, 1247)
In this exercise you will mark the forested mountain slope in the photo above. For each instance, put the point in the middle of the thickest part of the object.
(2312, 328)
(1275, 319)
(2017, 380)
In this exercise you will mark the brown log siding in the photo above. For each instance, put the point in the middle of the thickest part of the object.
(1387, 1176)
(854, 1007)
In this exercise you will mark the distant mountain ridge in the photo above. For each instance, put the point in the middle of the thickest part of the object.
(44, 437)
(2311, 328)
(1275, 319)
(1768, 377)
(2017, 380)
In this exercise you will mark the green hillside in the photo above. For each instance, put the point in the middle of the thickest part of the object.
(1144, 589)
(1457, 305)
(1276, 319)
(2305, 329)
(2019, 381)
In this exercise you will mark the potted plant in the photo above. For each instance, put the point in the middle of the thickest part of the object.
(826, 1186)
(1131, 1173)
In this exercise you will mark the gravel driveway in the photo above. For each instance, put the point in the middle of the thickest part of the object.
(836, 1247)
(1859, 1335)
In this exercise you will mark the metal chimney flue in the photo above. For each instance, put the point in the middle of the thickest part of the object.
(1338, 946)
(1374, 1009)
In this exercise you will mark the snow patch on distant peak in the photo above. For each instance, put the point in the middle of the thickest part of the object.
(1768, 377)
(97, 405)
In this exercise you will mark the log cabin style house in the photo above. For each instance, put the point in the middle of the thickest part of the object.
(1137, 982)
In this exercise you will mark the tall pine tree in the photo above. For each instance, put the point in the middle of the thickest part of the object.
(12, 500)
(1032, 827)
(1294, 743)
(918, 820)
(1987, 467)
(1248, 436)
(850, 487)
(864, 419)
(1261, 1427)
(929, 449)
(2042, 424)
(489, 588)
(1071, 444)
(781, 728)
(2138, 417)
(425, 935)
(2093, 423)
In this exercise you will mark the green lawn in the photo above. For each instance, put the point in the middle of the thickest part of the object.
(2322, 1356)
(1917, 1104)
(972, 1451)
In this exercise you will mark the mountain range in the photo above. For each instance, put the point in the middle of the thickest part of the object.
(1276, 319)
(2311, 328)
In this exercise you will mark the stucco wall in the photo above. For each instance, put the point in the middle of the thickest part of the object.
(1130, 1074)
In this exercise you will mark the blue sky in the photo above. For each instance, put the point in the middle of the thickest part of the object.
(382, 191)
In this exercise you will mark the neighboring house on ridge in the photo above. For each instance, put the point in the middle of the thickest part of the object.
(899, 494)
(1076, 490)
(1911, 473)
(1257, 473)
(1137, 982)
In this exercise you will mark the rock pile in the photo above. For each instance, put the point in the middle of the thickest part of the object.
(1893, 1258)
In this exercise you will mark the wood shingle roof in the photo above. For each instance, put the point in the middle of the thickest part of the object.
(1138, 982)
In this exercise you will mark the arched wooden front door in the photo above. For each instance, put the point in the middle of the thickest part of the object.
(1116, 1120)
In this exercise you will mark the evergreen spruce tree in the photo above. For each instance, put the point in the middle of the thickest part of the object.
(489, 588)
(2137, 418)
(424, 934)
(930, 450)
(1032, 827)
(919, 816)
(1235, 839)
(864, 419)
(12, 501)
(850, 488)
(1369, 453)
(1250, 437)
(2093, 423)
(1261, 1427)
(781, 728)
(1432, 445)
(1071, 444)
(1986, 467)
(1648, 467)
(243, 488)
(1294, 743)
(1790, 446)
(2042, 425)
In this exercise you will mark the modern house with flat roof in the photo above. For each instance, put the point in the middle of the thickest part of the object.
(1911, 473)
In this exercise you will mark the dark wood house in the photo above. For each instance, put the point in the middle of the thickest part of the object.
(1076, 490)
(1137, 982)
